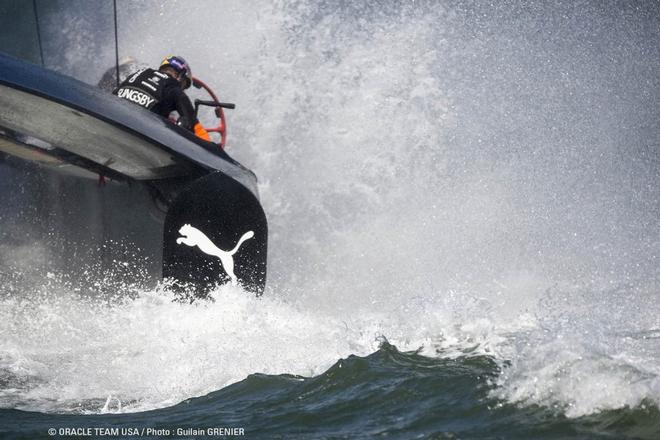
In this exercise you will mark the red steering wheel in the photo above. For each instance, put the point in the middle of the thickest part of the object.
(219, 112)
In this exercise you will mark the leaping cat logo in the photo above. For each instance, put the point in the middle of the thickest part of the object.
(194, 237)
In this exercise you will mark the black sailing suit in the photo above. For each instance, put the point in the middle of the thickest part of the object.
(160, 93)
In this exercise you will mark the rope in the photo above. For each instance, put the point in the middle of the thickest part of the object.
(36, 20)
(114, 5)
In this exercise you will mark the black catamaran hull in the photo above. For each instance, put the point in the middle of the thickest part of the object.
(102, 186)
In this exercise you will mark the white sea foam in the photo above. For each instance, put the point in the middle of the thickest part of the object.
(60, 351)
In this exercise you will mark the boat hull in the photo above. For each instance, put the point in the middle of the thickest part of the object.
(103, 187)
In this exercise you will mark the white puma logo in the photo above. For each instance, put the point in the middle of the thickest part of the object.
(194, 237)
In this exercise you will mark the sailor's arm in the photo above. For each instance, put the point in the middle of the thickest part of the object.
(188, 119)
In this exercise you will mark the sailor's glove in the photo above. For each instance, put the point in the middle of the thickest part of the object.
(201, 132)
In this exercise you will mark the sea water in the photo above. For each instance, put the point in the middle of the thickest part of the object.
(463, 201)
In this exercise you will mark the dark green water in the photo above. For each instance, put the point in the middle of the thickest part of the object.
(388, 394)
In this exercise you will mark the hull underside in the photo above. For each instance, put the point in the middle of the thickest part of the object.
(92, 235)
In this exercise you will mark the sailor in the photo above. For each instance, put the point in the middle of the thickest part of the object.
(162, 92)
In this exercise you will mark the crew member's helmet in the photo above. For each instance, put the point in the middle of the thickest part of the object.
(181, 67)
